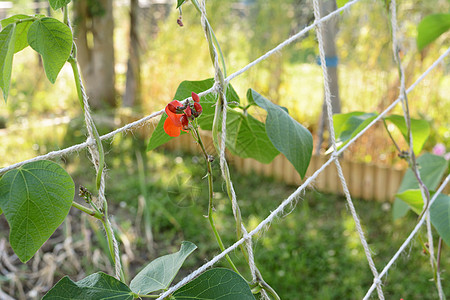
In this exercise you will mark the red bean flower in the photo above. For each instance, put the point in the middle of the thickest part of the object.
(176, 121)
(179, 115)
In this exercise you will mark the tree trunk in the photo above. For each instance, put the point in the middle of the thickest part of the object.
(94, 25)
(132, 95)
(329, 35)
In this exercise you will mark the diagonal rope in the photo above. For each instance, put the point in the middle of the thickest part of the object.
(220, 87)
(140, 122)
(326, 81)
(410, 237)
(296, 194)
(95, 155)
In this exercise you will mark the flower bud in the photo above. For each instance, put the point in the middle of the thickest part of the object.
(195, 97)
(188, 111)
(198, 109)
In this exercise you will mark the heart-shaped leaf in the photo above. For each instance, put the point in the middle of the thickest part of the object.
(285, 133)
(35, 199)
(57, 4)
(52, 39)
(216, 284)
(431, 168)
(158, 274)
(21, 30)
(347, 126)
(97, 286)
(7, 45)
(420, 130)
(440, 216)
(413, 198)
(430, 28)
(439, 211)
(247, 138)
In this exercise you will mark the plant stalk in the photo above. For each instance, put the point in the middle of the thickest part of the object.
(210, 197)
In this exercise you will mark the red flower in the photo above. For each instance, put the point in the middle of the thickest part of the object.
(175, 122)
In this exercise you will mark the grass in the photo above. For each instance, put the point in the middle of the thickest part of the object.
(311, 252)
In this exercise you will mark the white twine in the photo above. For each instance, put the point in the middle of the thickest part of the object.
(410, 237)
(296, 194)
(76, 148)
(94, 151)
(425, 194)
(326, 79)
(293, 196)
(291, 39)
(223, 162)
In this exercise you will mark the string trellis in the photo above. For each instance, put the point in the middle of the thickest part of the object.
(247, 236)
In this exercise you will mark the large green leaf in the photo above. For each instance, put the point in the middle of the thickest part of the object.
(431, 169)
(247, 137)
(413, 198)
(35, 198)
(430, 28)
(57, 4)
(440, 216)
(21, 30)
(158, 274)
(159, 137)
(7, 44)
(215, 284)
(52, 39)
(97, 286)
(286, 134)
(420, 130)
(439, 211)
(347, 126)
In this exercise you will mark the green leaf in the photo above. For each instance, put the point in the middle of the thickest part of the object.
(53, 40)
(413, 198)
(440, 216)
(247, 138)
(286, 134)
(431, 168)
(159, 137)
(341, 3)
(21, 41)
(158, 274)
(430, 28)
(180, 2)
(36, 199)
(347, 126)
(57, 4)
(420, 130)
(214, 284)
(439, 211)
(7, 44)
(96, 286)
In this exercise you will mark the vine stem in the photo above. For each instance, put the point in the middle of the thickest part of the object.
(220, 112)
(98, 156)
(87, 210)
(208, 160)
(412, 157)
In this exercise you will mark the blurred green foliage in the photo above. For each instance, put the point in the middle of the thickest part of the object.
(311, 252)
(291, 78)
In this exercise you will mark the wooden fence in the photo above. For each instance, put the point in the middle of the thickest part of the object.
(364, 181)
